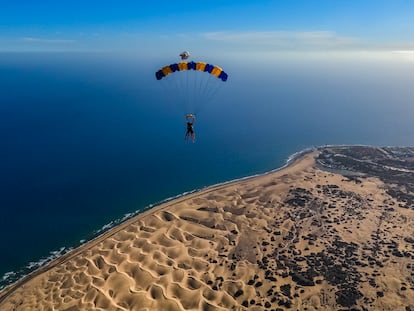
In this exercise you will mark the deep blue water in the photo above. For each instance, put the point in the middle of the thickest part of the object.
(87, 138)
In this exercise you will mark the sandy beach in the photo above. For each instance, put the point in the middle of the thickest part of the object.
(299, 238)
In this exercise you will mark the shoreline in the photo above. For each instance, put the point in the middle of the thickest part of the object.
(115, 226)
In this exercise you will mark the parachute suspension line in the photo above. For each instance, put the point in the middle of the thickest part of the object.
(194, 98)
(200, 85)
(203, 91)
(211, 89)
(205, 86)
(181, 91)
(188, 92)
(191, 95)
(213, 83)
(200, 81)
(215, 87)
(195, 90)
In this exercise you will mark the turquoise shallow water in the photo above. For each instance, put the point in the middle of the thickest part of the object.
(88, 139)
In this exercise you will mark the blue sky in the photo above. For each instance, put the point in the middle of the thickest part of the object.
(147, 27)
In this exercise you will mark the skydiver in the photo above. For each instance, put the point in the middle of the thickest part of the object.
(185, 55)
(190, 118)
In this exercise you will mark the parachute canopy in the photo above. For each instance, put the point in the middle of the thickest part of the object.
(185, 55)
(199, 66)
(191, 85)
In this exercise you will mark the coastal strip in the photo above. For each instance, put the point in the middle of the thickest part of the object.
(298, 238)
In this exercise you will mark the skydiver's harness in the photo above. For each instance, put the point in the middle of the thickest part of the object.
(190, 120)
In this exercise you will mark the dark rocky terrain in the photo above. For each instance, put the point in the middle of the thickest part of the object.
(393, 165)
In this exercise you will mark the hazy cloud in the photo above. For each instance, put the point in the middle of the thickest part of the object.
(285, 39)
(48, 41)
(404, 54)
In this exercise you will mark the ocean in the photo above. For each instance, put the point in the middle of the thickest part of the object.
(88, 140)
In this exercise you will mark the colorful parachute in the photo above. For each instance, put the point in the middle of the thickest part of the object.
(190, 85)
(199, 66)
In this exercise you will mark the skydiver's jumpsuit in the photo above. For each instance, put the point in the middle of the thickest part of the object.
(190, 131)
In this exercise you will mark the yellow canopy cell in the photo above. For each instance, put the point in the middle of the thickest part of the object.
(166, 70)
(200, 66)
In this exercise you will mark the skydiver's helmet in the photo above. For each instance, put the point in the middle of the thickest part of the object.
(185, 55)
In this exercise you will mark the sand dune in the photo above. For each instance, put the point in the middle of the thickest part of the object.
(296, 239)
